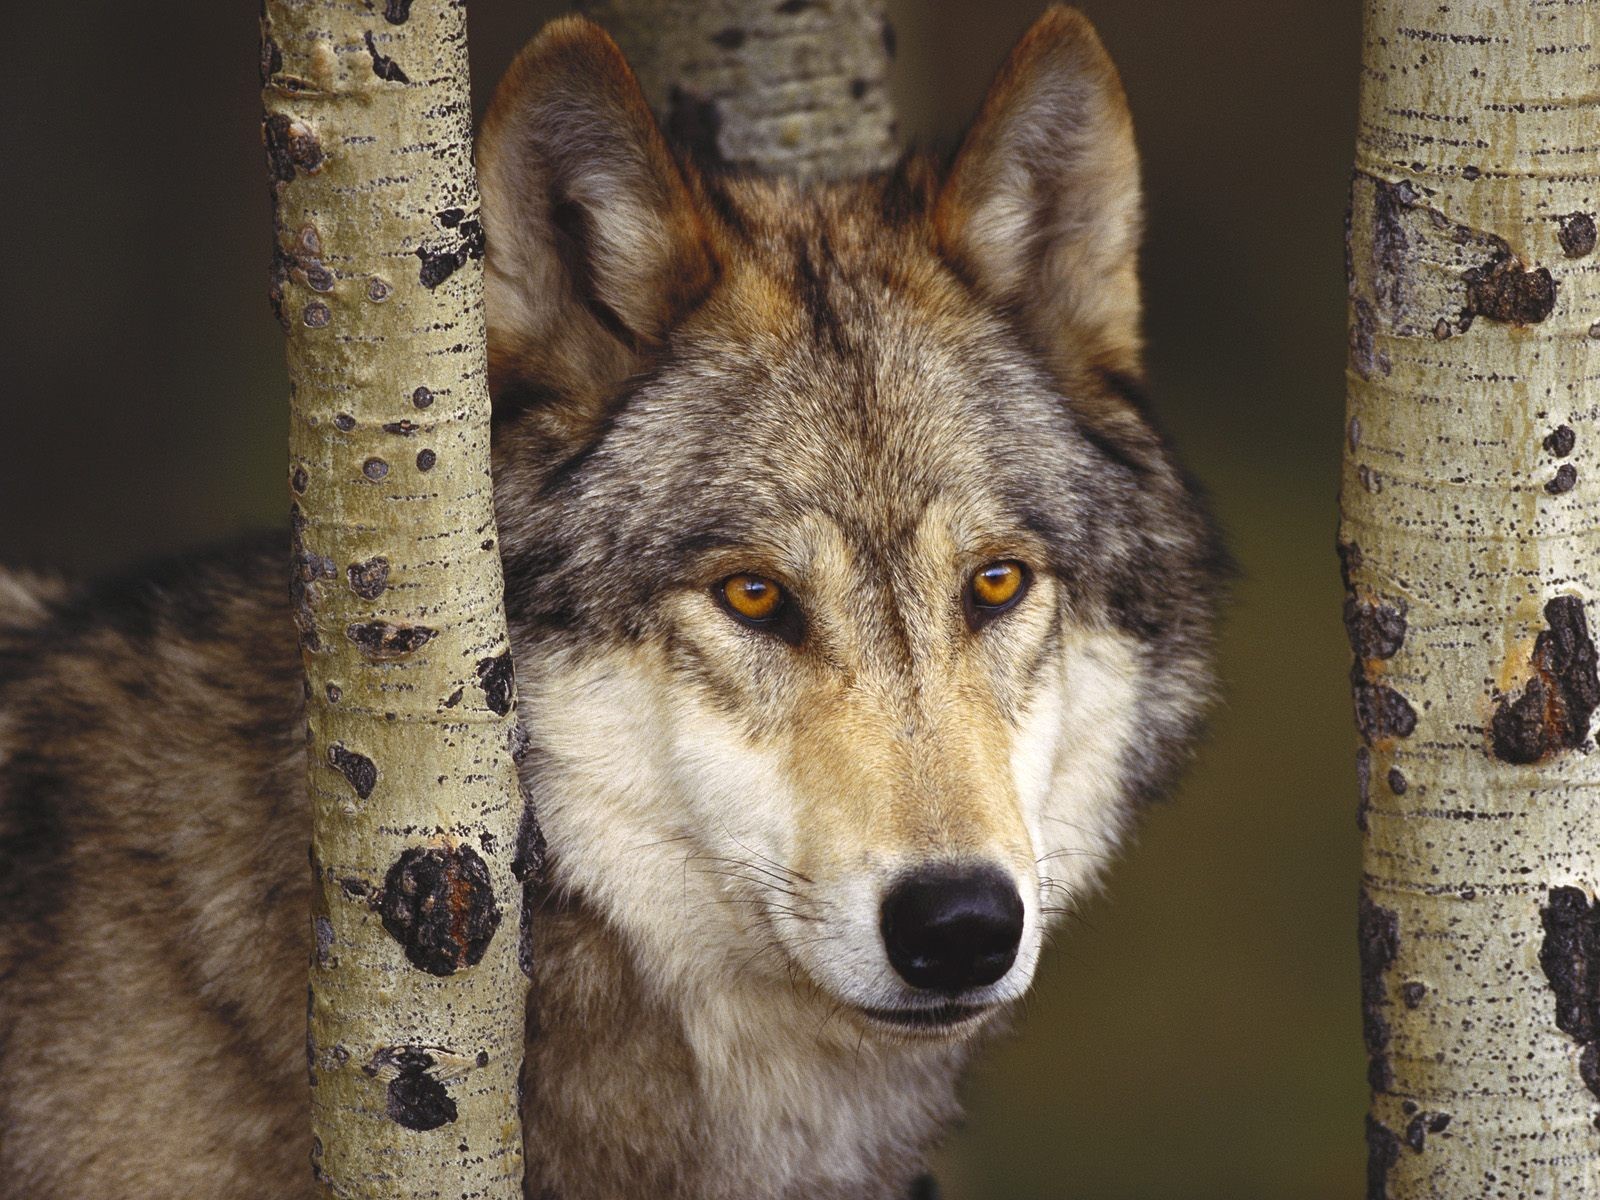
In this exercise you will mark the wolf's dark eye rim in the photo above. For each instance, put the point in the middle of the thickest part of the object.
(995, 589)
(759, 603)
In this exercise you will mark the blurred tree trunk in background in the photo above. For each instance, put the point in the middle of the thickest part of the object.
(417, 1000)
(796, 88)
(1470, 542)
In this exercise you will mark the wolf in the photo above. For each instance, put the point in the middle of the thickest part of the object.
(857, 608)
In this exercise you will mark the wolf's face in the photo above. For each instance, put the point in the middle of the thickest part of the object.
(855, 602)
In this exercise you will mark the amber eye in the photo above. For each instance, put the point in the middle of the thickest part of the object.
(752, 597)
(993, 589)
(759, 603)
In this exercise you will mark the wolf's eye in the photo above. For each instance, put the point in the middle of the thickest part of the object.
(759, 603)
(993, 589)
(752, 597)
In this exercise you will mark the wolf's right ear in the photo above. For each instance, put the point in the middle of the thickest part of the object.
(595, 245)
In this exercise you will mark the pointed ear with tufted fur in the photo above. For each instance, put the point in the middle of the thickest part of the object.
(1041, 210)
(595, 246)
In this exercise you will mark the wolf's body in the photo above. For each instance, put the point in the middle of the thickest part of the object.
(865, 392)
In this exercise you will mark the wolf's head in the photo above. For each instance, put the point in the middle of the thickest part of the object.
(856, 603)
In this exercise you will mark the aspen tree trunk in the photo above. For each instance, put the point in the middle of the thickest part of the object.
(796, 88)
(417, 996)
(1471, 548)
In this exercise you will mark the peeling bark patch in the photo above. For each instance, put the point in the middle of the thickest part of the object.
(271, 60)
(439, 264)
(1379, 936)
(323, 929)
(307, 569)
(1389, 240)
(1349, 560)
(497, 679)
(383, 66)
(439, 905)
(396, 11)
(528, 863)
(694, 123)
(1375, 630)
(416, 1099)
(1364, 356)
(1381, 712)
(359, 771)
(1363, 786)
(277, 280)
(1564, 480)
(527, 866)
(1560, 441)
(369, 579)
(1383, 1151)
(291, 147)
(1504, 290)
(1555, 707)
(381, 641)
(1422, 1125)
(1570, 957)
(1577, 235)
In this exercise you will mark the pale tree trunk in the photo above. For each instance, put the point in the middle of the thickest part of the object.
(1471, 543)
(798, 87)
(417, 995)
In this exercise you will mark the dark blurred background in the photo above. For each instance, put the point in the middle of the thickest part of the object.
(1196, 1034)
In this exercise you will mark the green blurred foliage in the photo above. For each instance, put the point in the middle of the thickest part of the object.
(1195, 1033)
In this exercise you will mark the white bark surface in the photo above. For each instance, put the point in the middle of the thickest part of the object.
(1471, 539)
(798, 87)
(416, 998)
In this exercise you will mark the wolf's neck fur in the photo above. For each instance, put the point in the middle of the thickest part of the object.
(751, 1091)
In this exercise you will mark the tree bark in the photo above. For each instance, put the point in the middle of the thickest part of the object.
(1470, 539)
(797, 88)
(417, 995)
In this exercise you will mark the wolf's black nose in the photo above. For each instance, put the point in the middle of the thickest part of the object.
(950, 928)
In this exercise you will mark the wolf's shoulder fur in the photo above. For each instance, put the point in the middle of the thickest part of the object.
(800, 854)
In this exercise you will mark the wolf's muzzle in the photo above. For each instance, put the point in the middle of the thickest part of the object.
(948, 929)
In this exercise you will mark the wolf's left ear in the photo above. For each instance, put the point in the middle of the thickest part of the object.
(595, 244)
(1042, 207)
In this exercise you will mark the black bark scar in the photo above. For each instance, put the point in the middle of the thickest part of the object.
(1379, 930)
(1570, 958)
(359, 770)
(1553, 711)
(415, 1098)
(439, 904)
